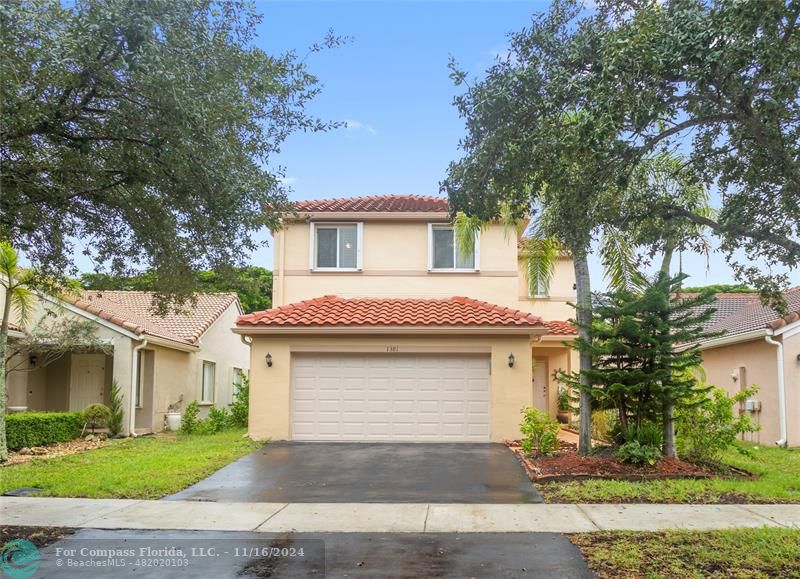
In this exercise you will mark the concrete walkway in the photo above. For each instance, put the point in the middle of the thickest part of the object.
(386, 517)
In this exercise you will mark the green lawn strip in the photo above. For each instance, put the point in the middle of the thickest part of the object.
(764, 552)
(777, 481)
(140, 468)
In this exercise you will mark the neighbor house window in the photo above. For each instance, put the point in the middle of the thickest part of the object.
(336, 246)
(207, 387)
(139, 377)
(443, 251)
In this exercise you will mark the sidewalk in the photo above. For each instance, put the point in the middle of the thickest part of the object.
(387, 518)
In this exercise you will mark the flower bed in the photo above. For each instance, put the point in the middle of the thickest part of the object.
(567, 464)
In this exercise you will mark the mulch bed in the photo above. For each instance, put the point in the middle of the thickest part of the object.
(39, 536)
(54, 450)
(566, 464)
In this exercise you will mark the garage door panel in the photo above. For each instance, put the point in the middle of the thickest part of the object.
(390, 397)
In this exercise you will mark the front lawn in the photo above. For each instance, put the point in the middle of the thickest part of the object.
(148, 467)
(778, 481)
(765, 552)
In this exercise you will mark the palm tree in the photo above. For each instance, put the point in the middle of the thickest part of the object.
(17, 296)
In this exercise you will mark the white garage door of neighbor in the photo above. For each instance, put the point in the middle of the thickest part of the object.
(412, 398)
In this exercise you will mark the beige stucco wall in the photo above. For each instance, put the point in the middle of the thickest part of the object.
(395, 264)
(270, 388)
(759, 361)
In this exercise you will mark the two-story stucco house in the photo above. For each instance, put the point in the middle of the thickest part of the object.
(383, 331)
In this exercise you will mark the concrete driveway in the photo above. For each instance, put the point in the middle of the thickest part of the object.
(331, 472)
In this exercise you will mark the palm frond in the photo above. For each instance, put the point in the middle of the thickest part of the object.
(8, 262)
(466, 228)
(539, 255)
(22, 300)
(619, 261)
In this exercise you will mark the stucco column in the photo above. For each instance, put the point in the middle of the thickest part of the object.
(123, 352)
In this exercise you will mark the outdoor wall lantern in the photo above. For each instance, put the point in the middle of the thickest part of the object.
(33, 360)
(511, 360)
(268, 358)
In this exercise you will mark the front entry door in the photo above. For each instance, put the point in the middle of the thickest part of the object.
(87, 380)
(541, 394)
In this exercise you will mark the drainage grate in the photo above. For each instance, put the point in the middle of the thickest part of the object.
(23, 492)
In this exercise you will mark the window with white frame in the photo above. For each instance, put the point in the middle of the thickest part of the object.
(336, 246)
(444, 253)
(207, 381)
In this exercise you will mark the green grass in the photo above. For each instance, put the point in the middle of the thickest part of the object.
(778, 481)
(765, 552)
(139, 468)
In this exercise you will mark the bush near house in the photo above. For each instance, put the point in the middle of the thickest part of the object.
(29, 429)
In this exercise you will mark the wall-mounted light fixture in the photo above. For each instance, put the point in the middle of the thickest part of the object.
(33, 360)
(511, 360)
(268, 358)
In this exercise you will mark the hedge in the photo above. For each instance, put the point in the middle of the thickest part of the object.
(28, 429)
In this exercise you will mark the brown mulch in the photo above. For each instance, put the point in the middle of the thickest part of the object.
(39, 536)
(53, 450)
(567, 464)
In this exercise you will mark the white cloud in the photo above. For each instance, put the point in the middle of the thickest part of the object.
(288, 180)
(352, 125)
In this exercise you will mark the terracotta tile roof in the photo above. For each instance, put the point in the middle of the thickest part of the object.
(133, 311)
(333, 311)
(753, 315)
(376, 203)
(561, 328)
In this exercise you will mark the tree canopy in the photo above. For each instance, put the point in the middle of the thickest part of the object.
(146, 130)
(582, 100)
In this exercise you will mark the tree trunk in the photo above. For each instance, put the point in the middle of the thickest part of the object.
(3, 395)
(584, 316)
(667, 406)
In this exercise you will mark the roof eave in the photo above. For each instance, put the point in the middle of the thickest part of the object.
(734, 339)
(369, 216)
(431, 329)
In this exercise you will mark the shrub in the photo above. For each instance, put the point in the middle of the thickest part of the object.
(96, 415)
(647, 434)
(218, 419)
(28, 429)
(634, 452)
(708, 427)
(540, 432)
(604, 424)
(189, 420)
(117, 413)
(563, 400)
(240, 407)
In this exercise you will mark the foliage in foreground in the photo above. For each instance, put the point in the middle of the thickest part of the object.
(147, 467)
(735, 553)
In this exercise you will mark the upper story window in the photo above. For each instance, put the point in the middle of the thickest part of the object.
(538, 288)
(443, 251)
(336, 246)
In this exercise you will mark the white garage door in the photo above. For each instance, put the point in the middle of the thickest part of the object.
(396, 397)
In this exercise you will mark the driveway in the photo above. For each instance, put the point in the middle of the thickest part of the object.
(333, 472)
(232, 555)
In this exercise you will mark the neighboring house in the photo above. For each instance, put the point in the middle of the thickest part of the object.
(155, 360)
(381, 330)
(763, 348)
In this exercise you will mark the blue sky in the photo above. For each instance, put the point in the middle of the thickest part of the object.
(390, 84)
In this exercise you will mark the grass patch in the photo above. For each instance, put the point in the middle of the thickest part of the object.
(765, 552)
(133, 468)
(778, 481)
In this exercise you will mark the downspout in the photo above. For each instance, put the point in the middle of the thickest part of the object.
(134, 382)
(781, 390)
